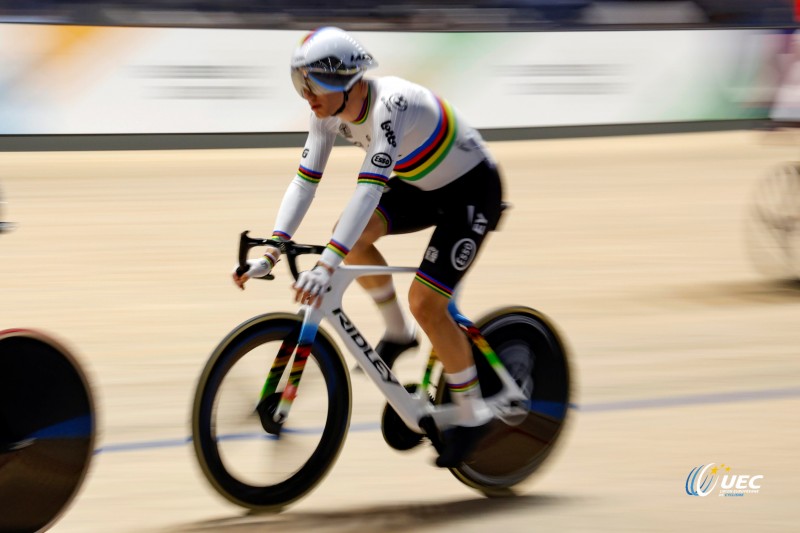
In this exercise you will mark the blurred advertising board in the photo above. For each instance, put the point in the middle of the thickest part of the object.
(123, 80)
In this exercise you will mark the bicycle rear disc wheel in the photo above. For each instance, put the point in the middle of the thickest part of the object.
(47, 430)
(536, 358)
(246, 464)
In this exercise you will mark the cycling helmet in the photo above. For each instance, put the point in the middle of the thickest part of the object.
(329, 60)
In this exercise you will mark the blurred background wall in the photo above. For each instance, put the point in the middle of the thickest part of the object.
(180, 67)
(438, 15)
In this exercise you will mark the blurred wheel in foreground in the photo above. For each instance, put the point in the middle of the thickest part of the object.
(773, 223)
(47, 430)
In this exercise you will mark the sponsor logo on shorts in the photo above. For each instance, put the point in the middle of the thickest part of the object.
(431, 254)
(479, 222)
(382, 160)
(703, 479)
(463, 253)
(344, 129)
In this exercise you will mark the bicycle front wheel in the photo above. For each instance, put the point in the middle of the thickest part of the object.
(247, 464)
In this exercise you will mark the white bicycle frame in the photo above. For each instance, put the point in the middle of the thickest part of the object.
(508, 404)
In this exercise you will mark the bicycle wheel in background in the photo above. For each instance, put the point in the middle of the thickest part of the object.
(4, 225)
(246, 464)
(534, 355)
(47, 430)
(772, 224)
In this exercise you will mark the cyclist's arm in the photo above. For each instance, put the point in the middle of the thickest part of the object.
(352, 223)
(375, 171)
(297, 199)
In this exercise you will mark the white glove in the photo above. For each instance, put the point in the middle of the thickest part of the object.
(258, 268)
(312, 284)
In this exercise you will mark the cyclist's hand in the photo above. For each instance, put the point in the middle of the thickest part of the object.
(312, 284)
(257, 268)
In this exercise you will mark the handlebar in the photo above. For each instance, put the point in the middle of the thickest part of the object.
(290, 249)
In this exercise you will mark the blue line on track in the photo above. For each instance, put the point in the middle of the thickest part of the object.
(693, 399)
(603, 407)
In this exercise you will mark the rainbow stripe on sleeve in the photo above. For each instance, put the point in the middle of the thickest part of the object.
(375, 179)
(311, 176)
(425, 158)
(338, 248)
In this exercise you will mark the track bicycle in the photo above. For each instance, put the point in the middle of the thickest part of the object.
(272, 406)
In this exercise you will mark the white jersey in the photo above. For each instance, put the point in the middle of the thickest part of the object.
(406, 130)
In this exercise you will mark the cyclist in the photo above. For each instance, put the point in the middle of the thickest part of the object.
(444, 177)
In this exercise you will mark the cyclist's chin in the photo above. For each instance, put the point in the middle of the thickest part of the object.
(320, 112)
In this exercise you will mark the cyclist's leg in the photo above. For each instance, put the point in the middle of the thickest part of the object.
(469, 208)
(399, 334)
(391, 217)
(364, 252)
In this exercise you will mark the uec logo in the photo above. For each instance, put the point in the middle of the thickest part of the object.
(703, 479)
(699, 483)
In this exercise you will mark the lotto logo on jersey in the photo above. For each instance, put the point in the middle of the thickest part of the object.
(387, 127)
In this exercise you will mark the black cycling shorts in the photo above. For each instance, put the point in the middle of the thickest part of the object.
(462, 212)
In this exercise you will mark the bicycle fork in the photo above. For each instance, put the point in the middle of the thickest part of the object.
(300, 346)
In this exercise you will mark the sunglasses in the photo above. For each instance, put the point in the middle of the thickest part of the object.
(320, 82)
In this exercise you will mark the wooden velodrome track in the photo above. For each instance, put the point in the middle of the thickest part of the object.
(683, 354)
